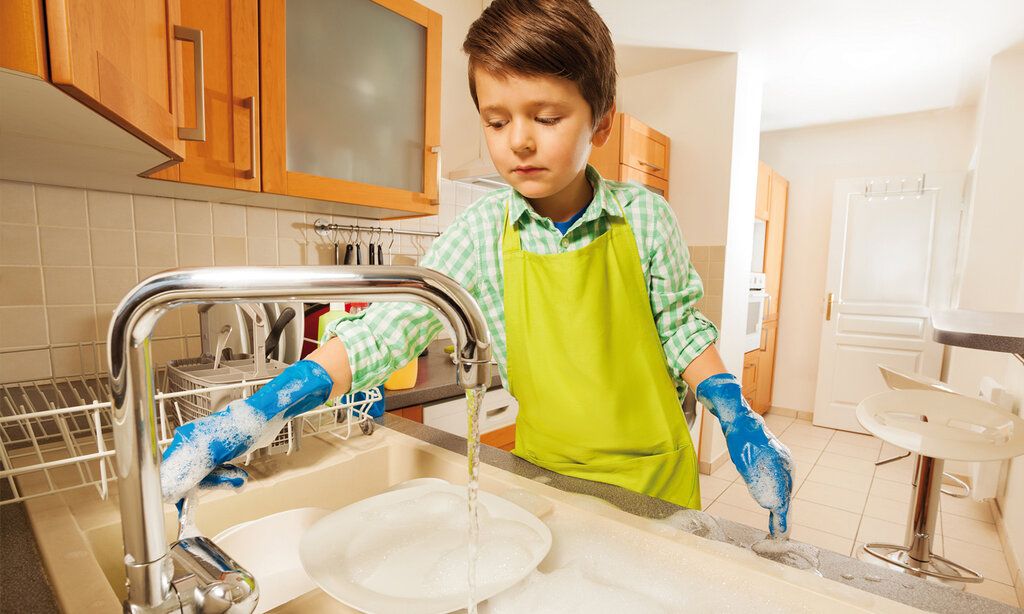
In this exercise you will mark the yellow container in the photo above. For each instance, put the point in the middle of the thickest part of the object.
(404, 378)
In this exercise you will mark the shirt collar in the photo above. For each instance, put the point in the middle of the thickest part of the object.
(603, 202)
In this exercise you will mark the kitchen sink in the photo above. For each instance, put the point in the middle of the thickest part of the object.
(79, 535)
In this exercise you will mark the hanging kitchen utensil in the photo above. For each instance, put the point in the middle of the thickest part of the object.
(350, 256)
(337, 247)
(391, 257)
(372, 256)
(359, 246)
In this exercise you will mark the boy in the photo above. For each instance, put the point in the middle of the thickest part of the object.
(585, 284)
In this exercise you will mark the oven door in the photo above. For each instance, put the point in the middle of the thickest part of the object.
(755, 314)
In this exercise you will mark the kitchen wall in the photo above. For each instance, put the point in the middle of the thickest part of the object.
(993, 274)
(68, 255)
(812, 159)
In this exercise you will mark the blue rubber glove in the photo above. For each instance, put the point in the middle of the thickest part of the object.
(764, 462)
(200, 448)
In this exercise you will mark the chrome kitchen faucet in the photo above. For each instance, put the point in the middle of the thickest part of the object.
(193, 574)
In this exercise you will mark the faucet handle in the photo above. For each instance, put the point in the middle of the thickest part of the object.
(208, 581)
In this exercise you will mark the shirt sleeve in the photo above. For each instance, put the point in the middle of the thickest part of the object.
(386, 336)
(675, 288)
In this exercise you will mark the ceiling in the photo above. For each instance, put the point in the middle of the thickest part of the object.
(827, 61)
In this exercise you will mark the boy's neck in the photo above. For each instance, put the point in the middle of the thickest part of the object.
(561, 206)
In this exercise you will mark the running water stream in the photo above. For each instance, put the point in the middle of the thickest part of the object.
(474, 398)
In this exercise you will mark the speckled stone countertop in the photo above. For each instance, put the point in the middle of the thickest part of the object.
(435, 380)
(23, 585)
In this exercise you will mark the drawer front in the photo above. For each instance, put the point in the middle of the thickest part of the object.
(499, 410)
(644, 149)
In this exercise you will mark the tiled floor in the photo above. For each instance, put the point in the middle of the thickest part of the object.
(842, 501)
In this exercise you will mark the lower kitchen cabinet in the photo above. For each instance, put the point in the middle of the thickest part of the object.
(497, 417)
(414, 413)
(504, 438)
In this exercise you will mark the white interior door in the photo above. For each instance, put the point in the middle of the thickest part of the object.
(892, 253)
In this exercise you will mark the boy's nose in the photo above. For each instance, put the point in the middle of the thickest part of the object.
(520, 137)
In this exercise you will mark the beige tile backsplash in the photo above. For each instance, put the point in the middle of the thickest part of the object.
(709, 261)
(68, 256)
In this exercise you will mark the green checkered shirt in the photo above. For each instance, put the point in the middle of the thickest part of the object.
(386, 336)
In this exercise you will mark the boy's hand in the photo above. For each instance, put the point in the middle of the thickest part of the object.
(200, 449)
(764, 462)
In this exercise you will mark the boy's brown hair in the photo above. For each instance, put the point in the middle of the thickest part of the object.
(560, 38)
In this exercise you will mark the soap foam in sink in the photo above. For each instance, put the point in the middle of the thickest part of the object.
(602, 568)
(782, 550)
(418, 548)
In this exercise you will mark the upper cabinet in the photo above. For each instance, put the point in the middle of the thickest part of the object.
(224, 52)
(762, 204)
(635, 153)
(23, 44)
(774, 239)
(350, 94)
(120, 59)
(332, 105)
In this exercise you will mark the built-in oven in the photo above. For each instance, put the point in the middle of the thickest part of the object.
(757, 300)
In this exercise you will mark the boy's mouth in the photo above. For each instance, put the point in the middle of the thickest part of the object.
(527, 170)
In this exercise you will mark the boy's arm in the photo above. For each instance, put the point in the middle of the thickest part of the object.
(674, 291)
(360, 354)
(361, 351)
(688, 339)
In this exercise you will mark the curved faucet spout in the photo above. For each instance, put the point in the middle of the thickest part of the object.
(148, 566)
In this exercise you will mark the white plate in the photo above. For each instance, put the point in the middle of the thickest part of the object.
(268, 548)
(404, 551)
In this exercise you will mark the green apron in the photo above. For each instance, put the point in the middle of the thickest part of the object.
(586, 365)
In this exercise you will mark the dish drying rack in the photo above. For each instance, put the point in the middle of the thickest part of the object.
(56, 433)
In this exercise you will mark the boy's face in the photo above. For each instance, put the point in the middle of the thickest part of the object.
(539, 130)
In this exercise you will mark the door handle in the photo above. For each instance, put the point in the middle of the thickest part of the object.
(653, 167)
(828, 306)
(195, 36)
(251, 103)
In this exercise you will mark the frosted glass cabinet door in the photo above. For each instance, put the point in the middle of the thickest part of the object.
(357, 112)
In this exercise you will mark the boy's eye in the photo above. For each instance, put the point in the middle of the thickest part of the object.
(495, 124)
(549, 121)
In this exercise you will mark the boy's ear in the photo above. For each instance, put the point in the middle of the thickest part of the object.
(604, 128)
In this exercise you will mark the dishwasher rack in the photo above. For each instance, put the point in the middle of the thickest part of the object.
(56, 432)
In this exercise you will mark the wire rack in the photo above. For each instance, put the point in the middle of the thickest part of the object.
(56, 433)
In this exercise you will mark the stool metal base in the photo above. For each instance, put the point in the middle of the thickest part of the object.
(938, 567)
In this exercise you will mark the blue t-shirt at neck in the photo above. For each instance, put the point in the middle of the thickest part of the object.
(563, 227)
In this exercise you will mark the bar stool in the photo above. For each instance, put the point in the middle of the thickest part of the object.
(937, 426)
(899, 380)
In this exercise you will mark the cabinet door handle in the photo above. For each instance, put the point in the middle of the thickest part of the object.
(828, 306)
(251, 173)
(653, 167)
(195, 36)
(495, 412)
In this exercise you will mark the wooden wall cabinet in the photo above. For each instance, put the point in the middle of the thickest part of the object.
(772, 198)
(229, 155)
(23, 44)
(120, 59)
(351, 102)
(635, 153)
